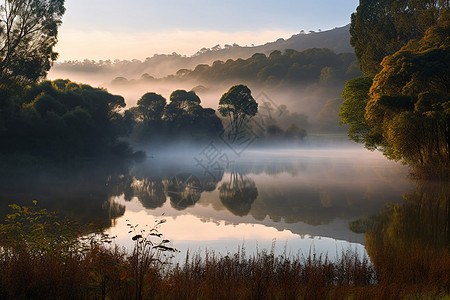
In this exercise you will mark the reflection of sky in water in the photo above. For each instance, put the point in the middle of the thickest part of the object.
(189, 232)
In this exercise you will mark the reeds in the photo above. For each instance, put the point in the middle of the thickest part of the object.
(266, 276)
(104, 272)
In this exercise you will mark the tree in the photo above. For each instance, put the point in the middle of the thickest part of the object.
(28, 33)
(410, 101)
(381, 28)
(182, 104)
(238, 194)
(151, 107)
(406, 113)
(63, 119)
(353, 109)
(238, 105)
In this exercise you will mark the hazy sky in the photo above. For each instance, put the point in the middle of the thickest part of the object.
(109, 29)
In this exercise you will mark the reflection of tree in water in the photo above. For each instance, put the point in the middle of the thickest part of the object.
(409, 243)
(78, 191)
(149, 192)
(184, 190)
(238, 194)
(114, 209)
(121, 185)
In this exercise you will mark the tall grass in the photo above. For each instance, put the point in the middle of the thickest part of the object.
(103, 272)
(266, 276)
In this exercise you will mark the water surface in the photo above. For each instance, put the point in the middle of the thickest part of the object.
(303, 199)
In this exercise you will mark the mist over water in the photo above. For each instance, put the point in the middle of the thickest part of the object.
(303, 198)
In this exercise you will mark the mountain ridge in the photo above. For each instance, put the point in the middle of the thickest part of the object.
(161, 65)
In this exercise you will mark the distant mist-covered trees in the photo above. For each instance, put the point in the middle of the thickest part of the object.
(158, 123)
(305, 80)
(183, 118)
(288, 68)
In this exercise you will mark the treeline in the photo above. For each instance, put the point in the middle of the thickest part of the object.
(287, 68)
(310, 81)
(156, 121)
(62, 119)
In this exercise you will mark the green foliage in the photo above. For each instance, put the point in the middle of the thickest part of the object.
(381, 28)
(238, 106)
(405, 113)
(182, 118)
(28, 33)
(353, 109)
(183, 105)
(62, 119)
(151, 107)
(37, 230)
(312, 65)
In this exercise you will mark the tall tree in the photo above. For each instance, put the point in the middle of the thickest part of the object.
(151, 107)
(238, 105)
(406, 113)
(381, 27)
(28, 33)
(182, 104)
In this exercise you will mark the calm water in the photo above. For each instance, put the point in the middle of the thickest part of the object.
(302, 199)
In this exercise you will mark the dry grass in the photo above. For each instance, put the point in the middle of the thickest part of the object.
(112, 273)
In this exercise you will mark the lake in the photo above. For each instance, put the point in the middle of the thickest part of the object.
(295, 200)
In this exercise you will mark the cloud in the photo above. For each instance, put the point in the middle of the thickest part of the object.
(97, 45)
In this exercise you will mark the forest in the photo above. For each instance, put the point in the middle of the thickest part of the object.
(285, 68)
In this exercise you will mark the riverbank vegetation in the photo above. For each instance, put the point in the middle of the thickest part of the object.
(401, 107)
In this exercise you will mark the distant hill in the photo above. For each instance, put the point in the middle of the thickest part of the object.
(161, 65)
(337, 39)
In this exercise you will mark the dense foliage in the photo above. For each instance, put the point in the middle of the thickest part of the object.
(237, 105)
(28, 33)
(305, 80)
(289, 67)
(405, 109)
(381, 28)
(62, 119)
(183, 117)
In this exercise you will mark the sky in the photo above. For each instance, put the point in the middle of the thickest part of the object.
(136, 29)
